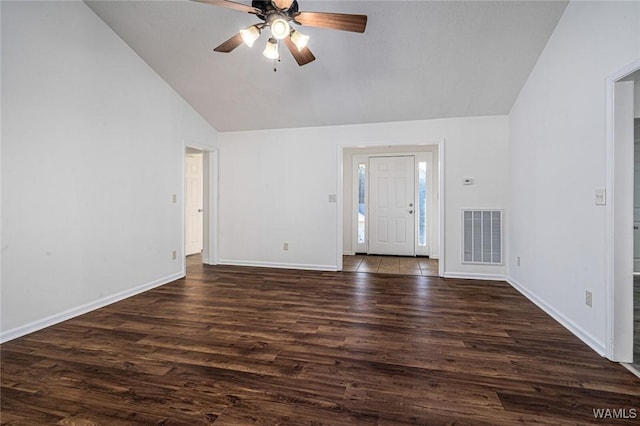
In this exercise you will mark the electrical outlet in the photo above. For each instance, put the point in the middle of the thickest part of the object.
(174, 198)
(518, 260)
(588, 298)
(174, 255)
(285, 246)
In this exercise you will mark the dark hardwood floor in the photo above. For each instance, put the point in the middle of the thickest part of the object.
(233, 345)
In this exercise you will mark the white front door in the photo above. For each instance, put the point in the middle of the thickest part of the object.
(392, 205)
(193, 204)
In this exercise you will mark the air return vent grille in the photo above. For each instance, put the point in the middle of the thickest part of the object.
(482, 236)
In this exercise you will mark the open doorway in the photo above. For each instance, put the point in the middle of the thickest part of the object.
(623, 290)
(391, 207)
(193, 202)
(195, 189)
(636, 229)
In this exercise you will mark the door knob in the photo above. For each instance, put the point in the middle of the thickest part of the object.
(199, 210)
(410, 211)
(635, 227)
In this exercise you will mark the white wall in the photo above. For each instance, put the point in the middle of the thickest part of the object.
(557, 160)
(274, 186)
(92, 151)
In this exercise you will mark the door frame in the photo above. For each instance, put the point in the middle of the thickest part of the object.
(419, 156)
(441, 196)
(618, 281)
(209, 206)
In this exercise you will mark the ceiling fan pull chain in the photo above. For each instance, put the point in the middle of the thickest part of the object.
(276, 60)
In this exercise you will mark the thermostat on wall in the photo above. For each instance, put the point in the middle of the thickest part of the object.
(467, 181)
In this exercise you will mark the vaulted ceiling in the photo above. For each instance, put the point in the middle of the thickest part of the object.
(416, 60)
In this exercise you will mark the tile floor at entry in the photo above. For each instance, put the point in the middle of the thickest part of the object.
(390, 265)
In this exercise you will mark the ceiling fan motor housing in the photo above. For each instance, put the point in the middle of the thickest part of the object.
(268, 8)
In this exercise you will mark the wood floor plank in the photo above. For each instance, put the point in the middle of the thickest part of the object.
(240, 345)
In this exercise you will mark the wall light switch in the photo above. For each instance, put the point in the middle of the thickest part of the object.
(332, 198)
(174, 198)
(601, 197)
(588, 298)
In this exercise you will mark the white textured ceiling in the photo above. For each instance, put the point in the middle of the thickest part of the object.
(416, 60)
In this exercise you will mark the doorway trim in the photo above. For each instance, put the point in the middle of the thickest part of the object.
(440, 143)
(210, 203)
(618, 300)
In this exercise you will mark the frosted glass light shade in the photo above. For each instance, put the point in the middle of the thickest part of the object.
(299, 39)
(250, 35)
(271, 50)
(280, 28)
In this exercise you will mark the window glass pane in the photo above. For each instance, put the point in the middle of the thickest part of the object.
(422, 203)
(362, 180)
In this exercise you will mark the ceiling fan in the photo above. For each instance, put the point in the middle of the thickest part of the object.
(278, 15)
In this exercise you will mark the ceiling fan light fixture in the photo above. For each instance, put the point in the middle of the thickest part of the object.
(250, 35)
(280, 28)
(271, 49)
(299, 39)
(279, 16)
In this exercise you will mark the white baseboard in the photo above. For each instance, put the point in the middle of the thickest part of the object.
(475, 276)
(309, 267)
(631, 368)
(580, 333)
(83, 309)
(348, 253)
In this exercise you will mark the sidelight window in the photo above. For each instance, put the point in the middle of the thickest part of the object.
(422, 203)
(362, 181)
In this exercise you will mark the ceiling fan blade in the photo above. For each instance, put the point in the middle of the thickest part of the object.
(282, 4)
(335, 21)
(231, 5)
(303, 56)
(230, 44)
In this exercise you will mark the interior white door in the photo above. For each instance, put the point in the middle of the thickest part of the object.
(392, 205)
(193, 204)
